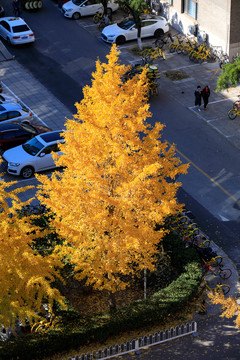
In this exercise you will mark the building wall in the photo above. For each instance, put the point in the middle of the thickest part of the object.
(235, 28)
(219, 19)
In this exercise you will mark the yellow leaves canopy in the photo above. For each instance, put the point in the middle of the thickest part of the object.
(229, 306)
(118, 180)
(25, 277)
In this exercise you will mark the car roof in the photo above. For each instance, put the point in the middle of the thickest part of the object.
(9, 126)
(51, 136)
(11, 20)
(9, 106)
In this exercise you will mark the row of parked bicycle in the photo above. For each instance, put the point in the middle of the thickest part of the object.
(188, 45)
(188, 230)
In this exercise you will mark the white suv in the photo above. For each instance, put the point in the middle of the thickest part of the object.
(34, 155)
(76, 8)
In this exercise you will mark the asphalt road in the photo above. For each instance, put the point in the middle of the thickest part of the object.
(63, 59)
(63, 56)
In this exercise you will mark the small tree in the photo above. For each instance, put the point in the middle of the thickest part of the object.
(117, 182)
(230, 75)
(25, 276)
(136, 9)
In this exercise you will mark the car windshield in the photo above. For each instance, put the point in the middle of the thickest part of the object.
(32, 147)
(78, 2)
(126, 24)
(20, 28)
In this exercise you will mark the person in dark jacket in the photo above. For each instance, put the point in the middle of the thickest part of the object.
(205, 95)
(16, 7)
(198, 97)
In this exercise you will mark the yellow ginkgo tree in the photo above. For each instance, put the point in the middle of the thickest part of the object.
(117, 183)
(229, 305)
(25, 276)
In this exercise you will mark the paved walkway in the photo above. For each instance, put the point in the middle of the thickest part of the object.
(217, 337)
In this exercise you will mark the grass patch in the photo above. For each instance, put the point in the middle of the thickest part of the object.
(136, 51)
(175, 75)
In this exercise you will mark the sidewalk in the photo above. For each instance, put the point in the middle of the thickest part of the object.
(215, 334)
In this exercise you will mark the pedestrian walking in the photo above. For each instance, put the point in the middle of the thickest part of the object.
(16, 7)
(198, 97)
(205, 95)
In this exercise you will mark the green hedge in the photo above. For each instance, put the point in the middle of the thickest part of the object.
(77, 331)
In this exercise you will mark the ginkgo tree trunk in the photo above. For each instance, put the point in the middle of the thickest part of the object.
(136, 8)
(117, 181)
(25, 277)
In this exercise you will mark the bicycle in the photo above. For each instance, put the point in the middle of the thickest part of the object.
(224, 273)
(149, 55)
(214, 261)
(97, 17)
(163, 41)
(233, 113)
(188, 46)
(207, 255)
(175, 46)
(153, 74)
(219, 288)
(224, 59)
(196, 51)
(203, 55)
(201, 244)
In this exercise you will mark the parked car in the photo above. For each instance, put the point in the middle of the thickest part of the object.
(14, 133)
(76, 8)
(2, 11)
(7, 99)
(8, 112)
(15, 31)
(35, 155)
(126, 29)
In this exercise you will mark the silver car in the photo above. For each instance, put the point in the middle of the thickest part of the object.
(14, 111)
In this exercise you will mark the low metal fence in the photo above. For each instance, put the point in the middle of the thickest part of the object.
(140, 343)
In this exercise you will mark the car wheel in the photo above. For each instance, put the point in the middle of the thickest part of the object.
(109, 12)
(120, 40)
(27, 172)
(31, 5)
(27, 5)
(76, 16)
(158, 33)
(35, 4)
(40, 4)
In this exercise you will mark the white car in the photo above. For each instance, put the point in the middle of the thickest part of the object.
(76, 8)
(14, 111)
(34, 155)
(126, 29)
(15, 31)
(6, 99)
